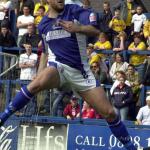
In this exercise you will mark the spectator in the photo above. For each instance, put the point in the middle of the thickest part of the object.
(133, 78)
(89, 51)
(122, 98)
(146, 31)
(29, 3)
(72, 110)
(23, 21)
(119, 64)
(15, 6)
(7, 40)
(97, 58)
(88, 111)
(117, 24)
(138, 20)
(138, 60)
(30, 36)
(6, 37)
(41, 13)
(99, 74)
(42, 3)
(127, 8)
(119, 74)
(120, 42)
(27, 63)
(143, 117)
(102, 44)
(105, 18)
(5, 7)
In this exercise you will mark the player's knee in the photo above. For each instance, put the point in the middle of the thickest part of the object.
(34, 87)
(110, 114)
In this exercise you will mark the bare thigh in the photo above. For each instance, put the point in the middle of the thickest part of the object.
(46, 79)
(97, 99)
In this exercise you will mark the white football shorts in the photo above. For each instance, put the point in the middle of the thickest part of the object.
(74, 77)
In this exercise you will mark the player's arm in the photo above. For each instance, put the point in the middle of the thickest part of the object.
(44, 56)
(43, 62)
(72, 27)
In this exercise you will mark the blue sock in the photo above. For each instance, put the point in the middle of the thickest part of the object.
(120, 132)
(19, 101)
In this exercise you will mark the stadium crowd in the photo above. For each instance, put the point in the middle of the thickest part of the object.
(122, 27)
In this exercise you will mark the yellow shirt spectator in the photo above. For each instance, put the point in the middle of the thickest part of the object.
(37, 5)
(117, 25)
(137, 59)
(37, 20)
(129, 16)
(102, 46)
(146, 29)
(99, 45)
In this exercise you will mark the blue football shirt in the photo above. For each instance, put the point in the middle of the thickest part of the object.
(68, 48)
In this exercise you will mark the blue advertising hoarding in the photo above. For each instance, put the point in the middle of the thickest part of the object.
(9, 135)
(94, 137)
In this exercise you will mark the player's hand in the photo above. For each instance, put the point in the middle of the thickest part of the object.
(70, 26)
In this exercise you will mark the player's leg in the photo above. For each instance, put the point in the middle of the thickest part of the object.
(97, 99)
(48, 78)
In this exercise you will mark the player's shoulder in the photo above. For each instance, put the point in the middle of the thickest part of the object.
(42, 23)
(74, 8)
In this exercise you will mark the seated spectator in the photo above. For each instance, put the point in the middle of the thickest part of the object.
(102, 64)
(30, 36)
(89, 51)
(23, 21)
(119, 64)
(138, 60)
(120, 42)
(6, 37)
(41, 13)
(138, 20)
(143, 117)
(133, 78)
(72, 110)
(146, 31)
(99, 74)
(117, 24)
(42, 3)
(122, 98)
(5, 7)
(119, 74)
(29, 3)
(88, 111)
(28, 63)
(102, 44)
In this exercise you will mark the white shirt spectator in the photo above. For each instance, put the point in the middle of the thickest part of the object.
(144, 115)
(114, 68)
(28, 73)
(24, 19)
(4, 5)
(78, 2)
(138, 21)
